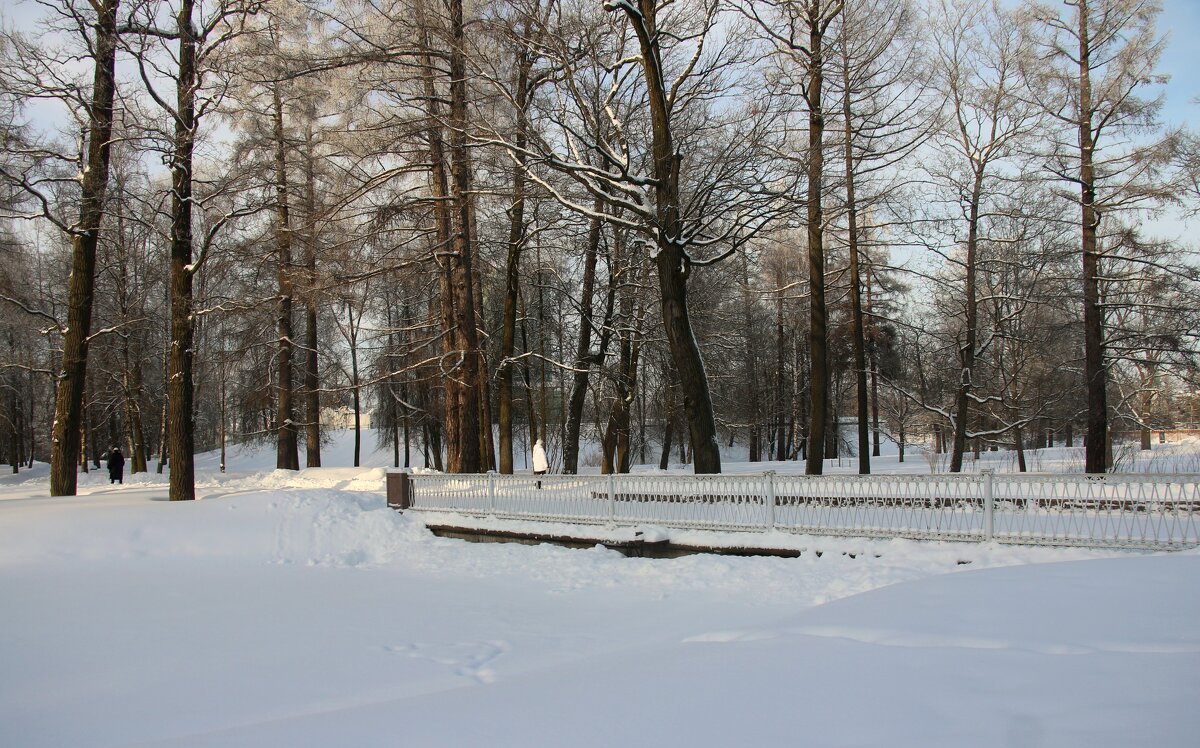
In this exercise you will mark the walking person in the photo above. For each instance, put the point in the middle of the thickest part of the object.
(116, 467)
(540, 465)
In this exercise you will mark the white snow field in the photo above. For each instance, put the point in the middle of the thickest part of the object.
(288, 609)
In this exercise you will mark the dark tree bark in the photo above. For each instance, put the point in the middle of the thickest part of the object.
(966, 353)
(466, 385)
(752, 404)
(65, 438)
(873, 350)
(1095, 451)
(668, 424)
(443, 220)
(781, 390)
(856, 310)
(354, 386)
(818, 336)
(286, 447)
(672, 263)
(181, 420)
(312, 377)
(583, 350)
(512, 273)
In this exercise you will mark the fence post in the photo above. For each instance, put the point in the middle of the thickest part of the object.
(989, 504)
(769, 477)
(612, 500)
(491, 491)
(399, 491)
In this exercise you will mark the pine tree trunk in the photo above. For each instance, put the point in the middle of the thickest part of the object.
(354, 386)
(819, 404)
(312, 377)
(287, 455)
(1095, 453)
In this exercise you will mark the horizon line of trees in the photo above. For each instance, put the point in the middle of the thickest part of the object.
(654, 226)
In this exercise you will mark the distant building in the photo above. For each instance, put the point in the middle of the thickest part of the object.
(343, 418)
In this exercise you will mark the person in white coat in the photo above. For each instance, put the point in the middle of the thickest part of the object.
(540, 465)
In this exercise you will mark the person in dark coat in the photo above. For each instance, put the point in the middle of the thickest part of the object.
(116, 467)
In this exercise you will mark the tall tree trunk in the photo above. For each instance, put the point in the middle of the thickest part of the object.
(133, 414)
(543, 393)
(286, 449)
(1147, 409)
(668, 424)
(487, 439)
(856, 311)
(312, 378)
(1095, 452)
(163, 452)
(616, 441)
(819, 404)
(629, 384)
(440, 187)
(528, 379)
(781, 390)
(64, 444)
(583, 350)
(466, 383)
(83, 432)
(875, 376)
(966, 354)
(621, 417)
(181, 428)
(671, 261)
(224, 417)
(512, 272)
(1019, 445)
(354, 386)
(754, 437)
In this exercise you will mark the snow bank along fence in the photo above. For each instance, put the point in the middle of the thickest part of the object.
(1110, 511)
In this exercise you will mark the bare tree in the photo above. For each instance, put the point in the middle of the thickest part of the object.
(799, 31)
(883, 121)
(977, 55)
(44, 74)
(1098, 55)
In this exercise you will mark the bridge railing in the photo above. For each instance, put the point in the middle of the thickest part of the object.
(1111, 511)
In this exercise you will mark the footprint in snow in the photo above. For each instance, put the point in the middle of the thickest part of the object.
(468, 659)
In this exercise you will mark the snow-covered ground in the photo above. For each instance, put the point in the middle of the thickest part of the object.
(290, 609)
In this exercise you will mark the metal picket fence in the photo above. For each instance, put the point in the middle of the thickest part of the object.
(1157, 512)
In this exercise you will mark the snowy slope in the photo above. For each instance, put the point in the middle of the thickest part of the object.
(296, 610)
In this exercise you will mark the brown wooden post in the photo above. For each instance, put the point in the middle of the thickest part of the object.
(398, 491)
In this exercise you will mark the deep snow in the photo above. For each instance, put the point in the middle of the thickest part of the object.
(290, 609)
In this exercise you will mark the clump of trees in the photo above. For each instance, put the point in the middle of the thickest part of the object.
(659, 230)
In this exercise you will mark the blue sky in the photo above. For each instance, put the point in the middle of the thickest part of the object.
(1181, 19)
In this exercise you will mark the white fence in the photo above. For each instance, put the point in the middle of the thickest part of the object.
(1111, 511)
